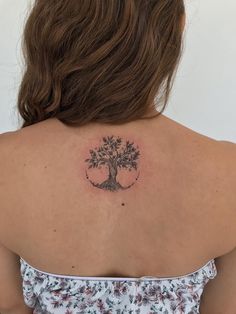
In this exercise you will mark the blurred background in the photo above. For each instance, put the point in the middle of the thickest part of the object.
(204, 93)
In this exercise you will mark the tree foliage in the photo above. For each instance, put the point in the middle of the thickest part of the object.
(114, 152)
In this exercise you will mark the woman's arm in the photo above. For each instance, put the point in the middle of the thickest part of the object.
(219, 295)
(11, 292)
(19, 310)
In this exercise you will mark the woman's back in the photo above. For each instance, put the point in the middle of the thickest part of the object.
(170, 222)
(147, 204)
(154, 240)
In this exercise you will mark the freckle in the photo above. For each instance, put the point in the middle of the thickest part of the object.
(45, 166)
(54, 230)
(24, 165)
(123, 204)
(73, 266)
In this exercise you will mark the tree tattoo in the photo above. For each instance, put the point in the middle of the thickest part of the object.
(115, 154)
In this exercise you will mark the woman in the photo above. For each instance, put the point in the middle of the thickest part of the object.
(108, 206)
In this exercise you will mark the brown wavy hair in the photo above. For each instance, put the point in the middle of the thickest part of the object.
(98, 60)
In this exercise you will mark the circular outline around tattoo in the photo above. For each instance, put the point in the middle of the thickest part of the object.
(116, 154)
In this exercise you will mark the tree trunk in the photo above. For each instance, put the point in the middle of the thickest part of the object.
(112, 172)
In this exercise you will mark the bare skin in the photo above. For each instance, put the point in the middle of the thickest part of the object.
(170, 222)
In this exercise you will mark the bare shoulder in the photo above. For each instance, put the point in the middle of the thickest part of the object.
(214, 167)
(226, 157)
(17, 145)
(229, 148)
(219, 294)
(9, 147)
(11, 159)
(225, 153)
(6, 138)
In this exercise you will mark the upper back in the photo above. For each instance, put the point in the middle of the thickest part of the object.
(177, 188)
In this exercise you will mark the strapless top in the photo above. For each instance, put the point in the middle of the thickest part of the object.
(49, 293)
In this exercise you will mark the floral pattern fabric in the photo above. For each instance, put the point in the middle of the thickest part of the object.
(51, 293)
